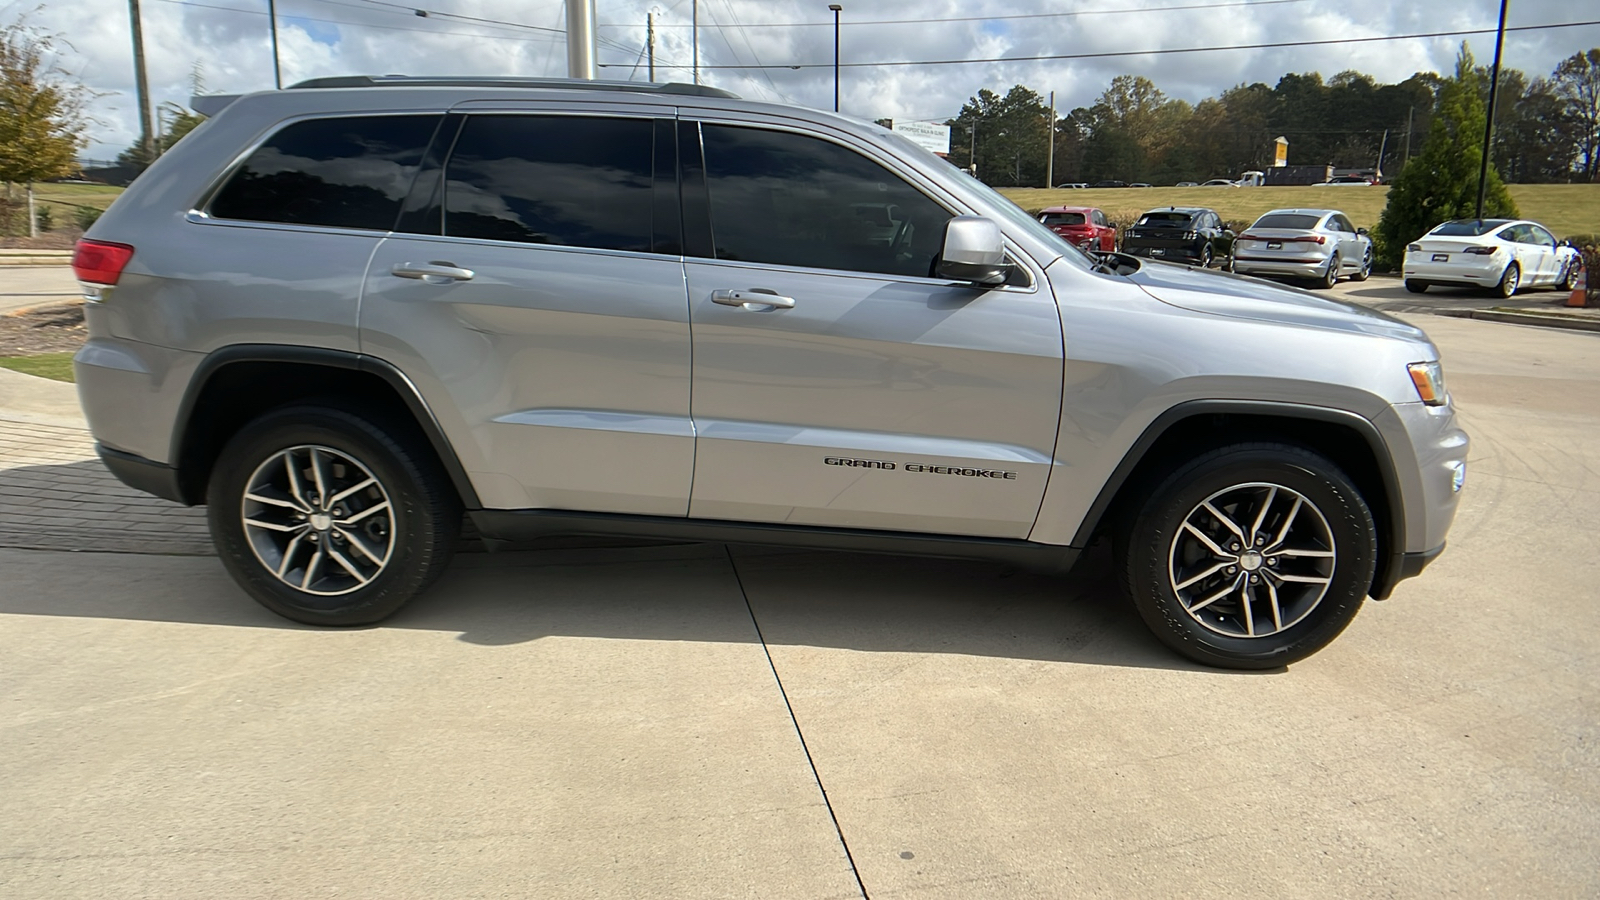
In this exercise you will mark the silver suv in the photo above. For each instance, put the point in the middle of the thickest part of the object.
(342, 314)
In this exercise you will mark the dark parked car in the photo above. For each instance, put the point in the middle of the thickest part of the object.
(1179, 233)
(1102, 184)
(1082, 226)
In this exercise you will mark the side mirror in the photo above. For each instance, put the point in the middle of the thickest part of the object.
(1111, 225)
(1361, 231)
(974, 251)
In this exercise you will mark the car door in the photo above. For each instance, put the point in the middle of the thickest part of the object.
(1105, 236)
(864, 393)
(539, 287)
(1544, 243)
(1523, 250)
(1350, 249)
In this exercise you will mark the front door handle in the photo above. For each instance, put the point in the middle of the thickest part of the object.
(753, 299)
(436, 272)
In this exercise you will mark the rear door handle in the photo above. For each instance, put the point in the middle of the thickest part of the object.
(753, 299)
(436, 272)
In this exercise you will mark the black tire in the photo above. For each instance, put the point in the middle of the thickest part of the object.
(1569, 278)
(1205, 257)
(1330, 277)
(1416, 287)
(1510, 281)
(1154, 550)
(1365, 271)
(1229, 266)
(419, 526)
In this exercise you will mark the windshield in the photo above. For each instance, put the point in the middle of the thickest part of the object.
(1293, 221)
(1062, 218)
(1164, 218)
(1468, 227)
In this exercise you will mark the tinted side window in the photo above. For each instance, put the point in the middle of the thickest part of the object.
(572, 181)
(1540, 236)
(793, 200)
(342, 172)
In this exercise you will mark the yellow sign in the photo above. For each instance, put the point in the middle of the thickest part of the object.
(1280, 152)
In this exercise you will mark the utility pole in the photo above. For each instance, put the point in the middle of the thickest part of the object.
(1488, 125)
(580, 39)
(1410, 111)
(1050, 161)
(650, 41)
(272, 18)
(836, 8)
(141, 85)
(694, 31)
(1377, 168)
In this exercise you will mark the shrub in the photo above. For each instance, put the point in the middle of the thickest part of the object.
(84, 216)
(45, 219)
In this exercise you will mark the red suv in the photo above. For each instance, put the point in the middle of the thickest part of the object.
(1083, 226)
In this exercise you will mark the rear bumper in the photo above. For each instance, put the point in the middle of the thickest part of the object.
(1485, 276)
(142, 474)
(1287, 268)
(1163, 250)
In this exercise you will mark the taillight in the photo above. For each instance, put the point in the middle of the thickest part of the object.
(1481, 251)
(1306, 239)
(1413, 248)
(100, 262)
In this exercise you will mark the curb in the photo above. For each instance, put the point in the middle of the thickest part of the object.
(1541, 321)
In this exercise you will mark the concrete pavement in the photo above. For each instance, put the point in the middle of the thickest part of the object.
(25, 286)
(618, 722)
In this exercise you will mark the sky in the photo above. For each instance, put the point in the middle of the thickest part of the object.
(227, 43)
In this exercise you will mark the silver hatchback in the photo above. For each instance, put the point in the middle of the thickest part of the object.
(344, 314)
(1317, 245)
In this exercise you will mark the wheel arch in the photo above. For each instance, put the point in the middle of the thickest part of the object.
(235, 384)
(1348, 439)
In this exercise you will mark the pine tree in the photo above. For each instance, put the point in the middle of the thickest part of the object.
(1441, 182)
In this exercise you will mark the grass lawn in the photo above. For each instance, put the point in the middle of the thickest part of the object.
(1563, 208)
(57, 366)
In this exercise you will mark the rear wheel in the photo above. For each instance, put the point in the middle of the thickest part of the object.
(329, 518)
(1510, 280)
(1330, 277)
(1416, 287)
(1250, 556)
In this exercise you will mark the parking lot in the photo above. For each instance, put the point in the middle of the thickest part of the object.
(701, 720)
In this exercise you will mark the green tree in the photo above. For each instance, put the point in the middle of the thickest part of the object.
(1577, 83)
(1441, 182)
(179, 122)
(42, 121)
(1013, 136)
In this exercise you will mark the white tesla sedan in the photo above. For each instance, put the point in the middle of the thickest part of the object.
(1502, 255)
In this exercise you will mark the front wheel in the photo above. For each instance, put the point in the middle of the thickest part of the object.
(1510, 280)
(1365, 271)
(329, 518)
(1205, 257)
(1250, 556)
(1569, 278)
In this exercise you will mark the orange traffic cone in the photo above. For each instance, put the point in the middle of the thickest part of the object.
(1580, 294)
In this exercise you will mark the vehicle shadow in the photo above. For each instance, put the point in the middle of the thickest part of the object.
(630, 591)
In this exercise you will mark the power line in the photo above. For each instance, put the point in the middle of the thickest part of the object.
(1084, 12)
(1165, 51)
(259, 12)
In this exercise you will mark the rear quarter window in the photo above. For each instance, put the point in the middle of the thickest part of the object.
(348, 172)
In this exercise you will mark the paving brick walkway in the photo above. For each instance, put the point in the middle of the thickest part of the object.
(56, 495)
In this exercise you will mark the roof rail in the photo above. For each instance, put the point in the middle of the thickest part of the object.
(353, 81)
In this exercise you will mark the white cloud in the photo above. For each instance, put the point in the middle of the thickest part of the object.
(337, 37)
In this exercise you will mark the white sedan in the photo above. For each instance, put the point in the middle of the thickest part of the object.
(1502, 255)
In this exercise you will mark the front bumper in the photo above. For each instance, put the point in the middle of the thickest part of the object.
(142, 474)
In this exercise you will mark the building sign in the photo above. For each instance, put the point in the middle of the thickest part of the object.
(926, 135)
(1280, 152)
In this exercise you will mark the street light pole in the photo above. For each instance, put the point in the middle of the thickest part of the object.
(272, 18)
(694, 31)
(1050, 161)
(1488, 125)
(836, 8)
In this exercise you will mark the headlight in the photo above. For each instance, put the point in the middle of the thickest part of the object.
(1429, 380)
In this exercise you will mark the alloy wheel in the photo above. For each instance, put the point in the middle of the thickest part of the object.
(318, 520)
(1252, 560)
